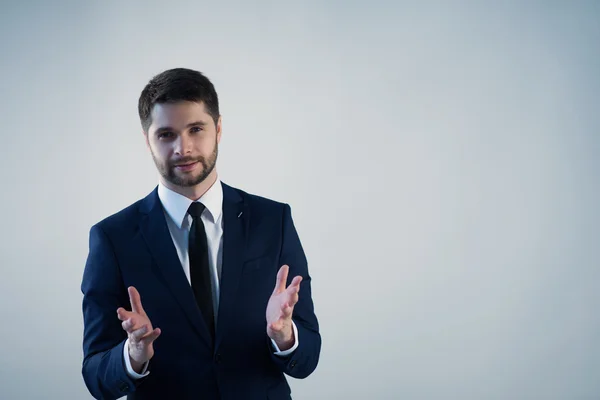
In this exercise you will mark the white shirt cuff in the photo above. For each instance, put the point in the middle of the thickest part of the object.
(132, 374)
(288, 351)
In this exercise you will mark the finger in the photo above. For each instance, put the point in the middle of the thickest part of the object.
(137, 335)
(130, 325)
(295, 285)
(293, 299)
(296, 282)
(286, 311)
(152, 336)
(277, 325)
(123, 314)
(281, 278)
(136, 301)
(134, 322)
(127, 325)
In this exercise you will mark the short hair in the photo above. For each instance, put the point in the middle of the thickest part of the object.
(174, 85)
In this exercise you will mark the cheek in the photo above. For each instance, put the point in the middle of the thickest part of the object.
(207, 144)
(161, 151)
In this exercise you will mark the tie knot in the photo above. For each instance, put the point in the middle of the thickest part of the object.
(196, 209)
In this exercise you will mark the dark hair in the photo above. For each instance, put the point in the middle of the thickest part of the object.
(174, 85)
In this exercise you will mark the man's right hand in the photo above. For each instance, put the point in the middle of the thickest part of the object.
(139, 330)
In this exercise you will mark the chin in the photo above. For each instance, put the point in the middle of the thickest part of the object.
(188, 181)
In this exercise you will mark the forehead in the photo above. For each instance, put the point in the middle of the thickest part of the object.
(178, 115)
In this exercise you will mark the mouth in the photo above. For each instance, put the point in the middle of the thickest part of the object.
(186, 167)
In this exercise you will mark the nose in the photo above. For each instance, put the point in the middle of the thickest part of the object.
(183, 145)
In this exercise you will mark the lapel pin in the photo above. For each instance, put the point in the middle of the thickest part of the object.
(240, 214)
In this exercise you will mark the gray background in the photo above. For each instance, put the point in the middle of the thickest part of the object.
(441, 161)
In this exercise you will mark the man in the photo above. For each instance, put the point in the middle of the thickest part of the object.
(188, 293)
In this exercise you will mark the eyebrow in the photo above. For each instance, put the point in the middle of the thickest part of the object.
(191, 124)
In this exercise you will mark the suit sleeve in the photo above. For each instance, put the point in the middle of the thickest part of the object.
(303, 361)
(103, 369)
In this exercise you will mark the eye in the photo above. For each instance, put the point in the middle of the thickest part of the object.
(165, 135)
(195, 129)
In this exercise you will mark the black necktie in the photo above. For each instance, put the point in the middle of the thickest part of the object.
(199, 267)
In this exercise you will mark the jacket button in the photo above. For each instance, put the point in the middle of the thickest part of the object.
(123, 387)
(218, 358)
(293, 364)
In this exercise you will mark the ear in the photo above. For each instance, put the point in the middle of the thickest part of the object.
(219, 126)
(146, 139)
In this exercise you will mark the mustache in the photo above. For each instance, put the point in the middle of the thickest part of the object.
(186, 160)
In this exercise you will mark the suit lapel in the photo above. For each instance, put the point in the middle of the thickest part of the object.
(158, 238)
(235, 227)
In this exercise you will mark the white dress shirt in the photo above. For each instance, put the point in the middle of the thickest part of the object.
(179, 222)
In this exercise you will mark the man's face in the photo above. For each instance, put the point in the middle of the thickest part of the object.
(183, 141)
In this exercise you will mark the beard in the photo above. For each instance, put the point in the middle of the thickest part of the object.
(168, 170)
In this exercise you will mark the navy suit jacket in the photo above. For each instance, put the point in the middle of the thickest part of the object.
(134, 248)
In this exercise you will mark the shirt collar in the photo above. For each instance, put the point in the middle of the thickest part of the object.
(176, 205)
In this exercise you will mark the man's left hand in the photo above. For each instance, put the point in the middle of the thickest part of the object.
(280, 309)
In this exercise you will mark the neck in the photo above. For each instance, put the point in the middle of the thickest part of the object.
(193, 192)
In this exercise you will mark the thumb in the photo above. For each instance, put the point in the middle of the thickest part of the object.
(152, 336)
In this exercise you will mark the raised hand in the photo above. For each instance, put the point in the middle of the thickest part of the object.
(280, 309)
(139, 330)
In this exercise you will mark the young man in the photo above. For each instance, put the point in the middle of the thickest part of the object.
(188, 293)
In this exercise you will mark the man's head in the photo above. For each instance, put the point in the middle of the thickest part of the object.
(179, 113)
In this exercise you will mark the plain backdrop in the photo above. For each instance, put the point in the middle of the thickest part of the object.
(441, 160)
